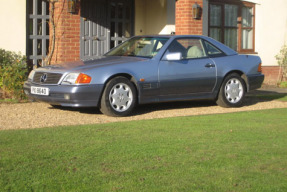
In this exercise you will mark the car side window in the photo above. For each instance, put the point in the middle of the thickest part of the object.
(212, 51)
(189, 48)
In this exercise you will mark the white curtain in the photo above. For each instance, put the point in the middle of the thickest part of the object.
(247, 17)
(230, 23)
(247, 34)
(215, 15)
(215, 22)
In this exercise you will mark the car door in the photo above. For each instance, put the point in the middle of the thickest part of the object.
(192, 72)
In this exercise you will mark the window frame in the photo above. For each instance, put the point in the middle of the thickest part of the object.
(240, 27)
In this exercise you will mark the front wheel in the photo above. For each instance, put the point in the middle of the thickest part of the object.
(119, 97)
(232, 91)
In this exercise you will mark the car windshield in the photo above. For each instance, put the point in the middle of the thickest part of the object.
(139, 47)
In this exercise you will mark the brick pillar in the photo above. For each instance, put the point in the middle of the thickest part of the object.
(184, 23)
(67, 46)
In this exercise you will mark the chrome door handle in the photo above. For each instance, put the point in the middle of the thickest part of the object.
(209, 65)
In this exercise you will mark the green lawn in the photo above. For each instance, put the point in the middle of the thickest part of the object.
(244, 151)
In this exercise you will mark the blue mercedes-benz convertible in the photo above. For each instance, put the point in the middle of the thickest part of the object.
(148, 69)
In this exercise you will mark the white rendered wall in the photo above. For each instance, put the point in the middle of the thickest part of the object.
(271, 29)
(13, 25)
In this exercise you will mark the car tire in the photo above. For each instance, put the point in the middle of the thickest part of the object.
(232, 91)
(118, 98)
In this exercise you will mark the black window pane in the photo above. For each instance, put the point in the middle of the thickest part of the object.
(39, 47)
(112, 44)
(113, 30)
(120, 29)
(39, 23)
(30, 26)
(120, 10)
(39, 8)
(47, 9)
(47, 27)
(30, 47)
(113, 10)
(128, 13)
(30, 7)
(47, 46)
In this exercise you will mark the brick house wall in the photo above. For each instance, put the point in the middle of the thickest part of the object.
(271, 74)
(67, 47)
(184, 23)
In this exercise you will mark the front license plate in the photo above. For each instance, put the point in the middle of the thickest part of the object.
(39, 91)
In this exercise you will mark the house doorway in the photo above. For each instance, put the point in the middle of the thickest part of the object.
(104, 25)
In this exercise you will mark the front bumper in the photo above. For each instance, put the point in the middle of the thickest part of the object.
(68, 95)
(255, 81)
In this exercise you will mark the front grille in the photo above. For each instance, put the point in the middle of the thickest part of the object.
(50, 78)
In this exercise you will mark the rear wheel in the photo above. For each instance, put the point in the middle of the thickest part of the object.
(119, 97)
(232, 91)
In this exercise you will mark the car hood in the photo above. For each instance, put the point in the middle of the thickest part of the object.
(90, 64)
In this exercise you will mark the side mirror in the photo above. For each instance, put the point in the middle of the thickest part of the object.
(173, 56)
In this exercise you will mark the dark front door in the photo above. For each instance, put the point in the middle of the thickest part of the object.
(94, 28)
(120, 21)
(104, 24)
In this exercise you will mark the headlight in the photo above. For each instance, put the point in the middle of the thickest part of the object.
(76, 78)
(70, 78)
(31, 75)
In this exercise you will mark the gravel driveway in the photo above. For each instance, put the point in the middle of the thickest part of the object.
(37, 115)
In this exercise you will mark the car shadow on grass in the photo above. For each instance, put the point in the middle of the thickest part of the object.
(146, 108)
(264, 96)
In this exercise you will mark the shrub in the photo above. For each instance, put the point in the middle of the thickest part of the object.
(13, 72)
(283, 84)
(8, 57)
(282, 61)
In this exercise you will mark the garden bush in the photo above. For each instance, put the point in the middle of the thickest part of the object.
(282, 61)
(13, 73)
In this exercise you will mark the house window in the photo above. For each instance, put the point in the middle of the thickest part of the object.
(232, 23)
